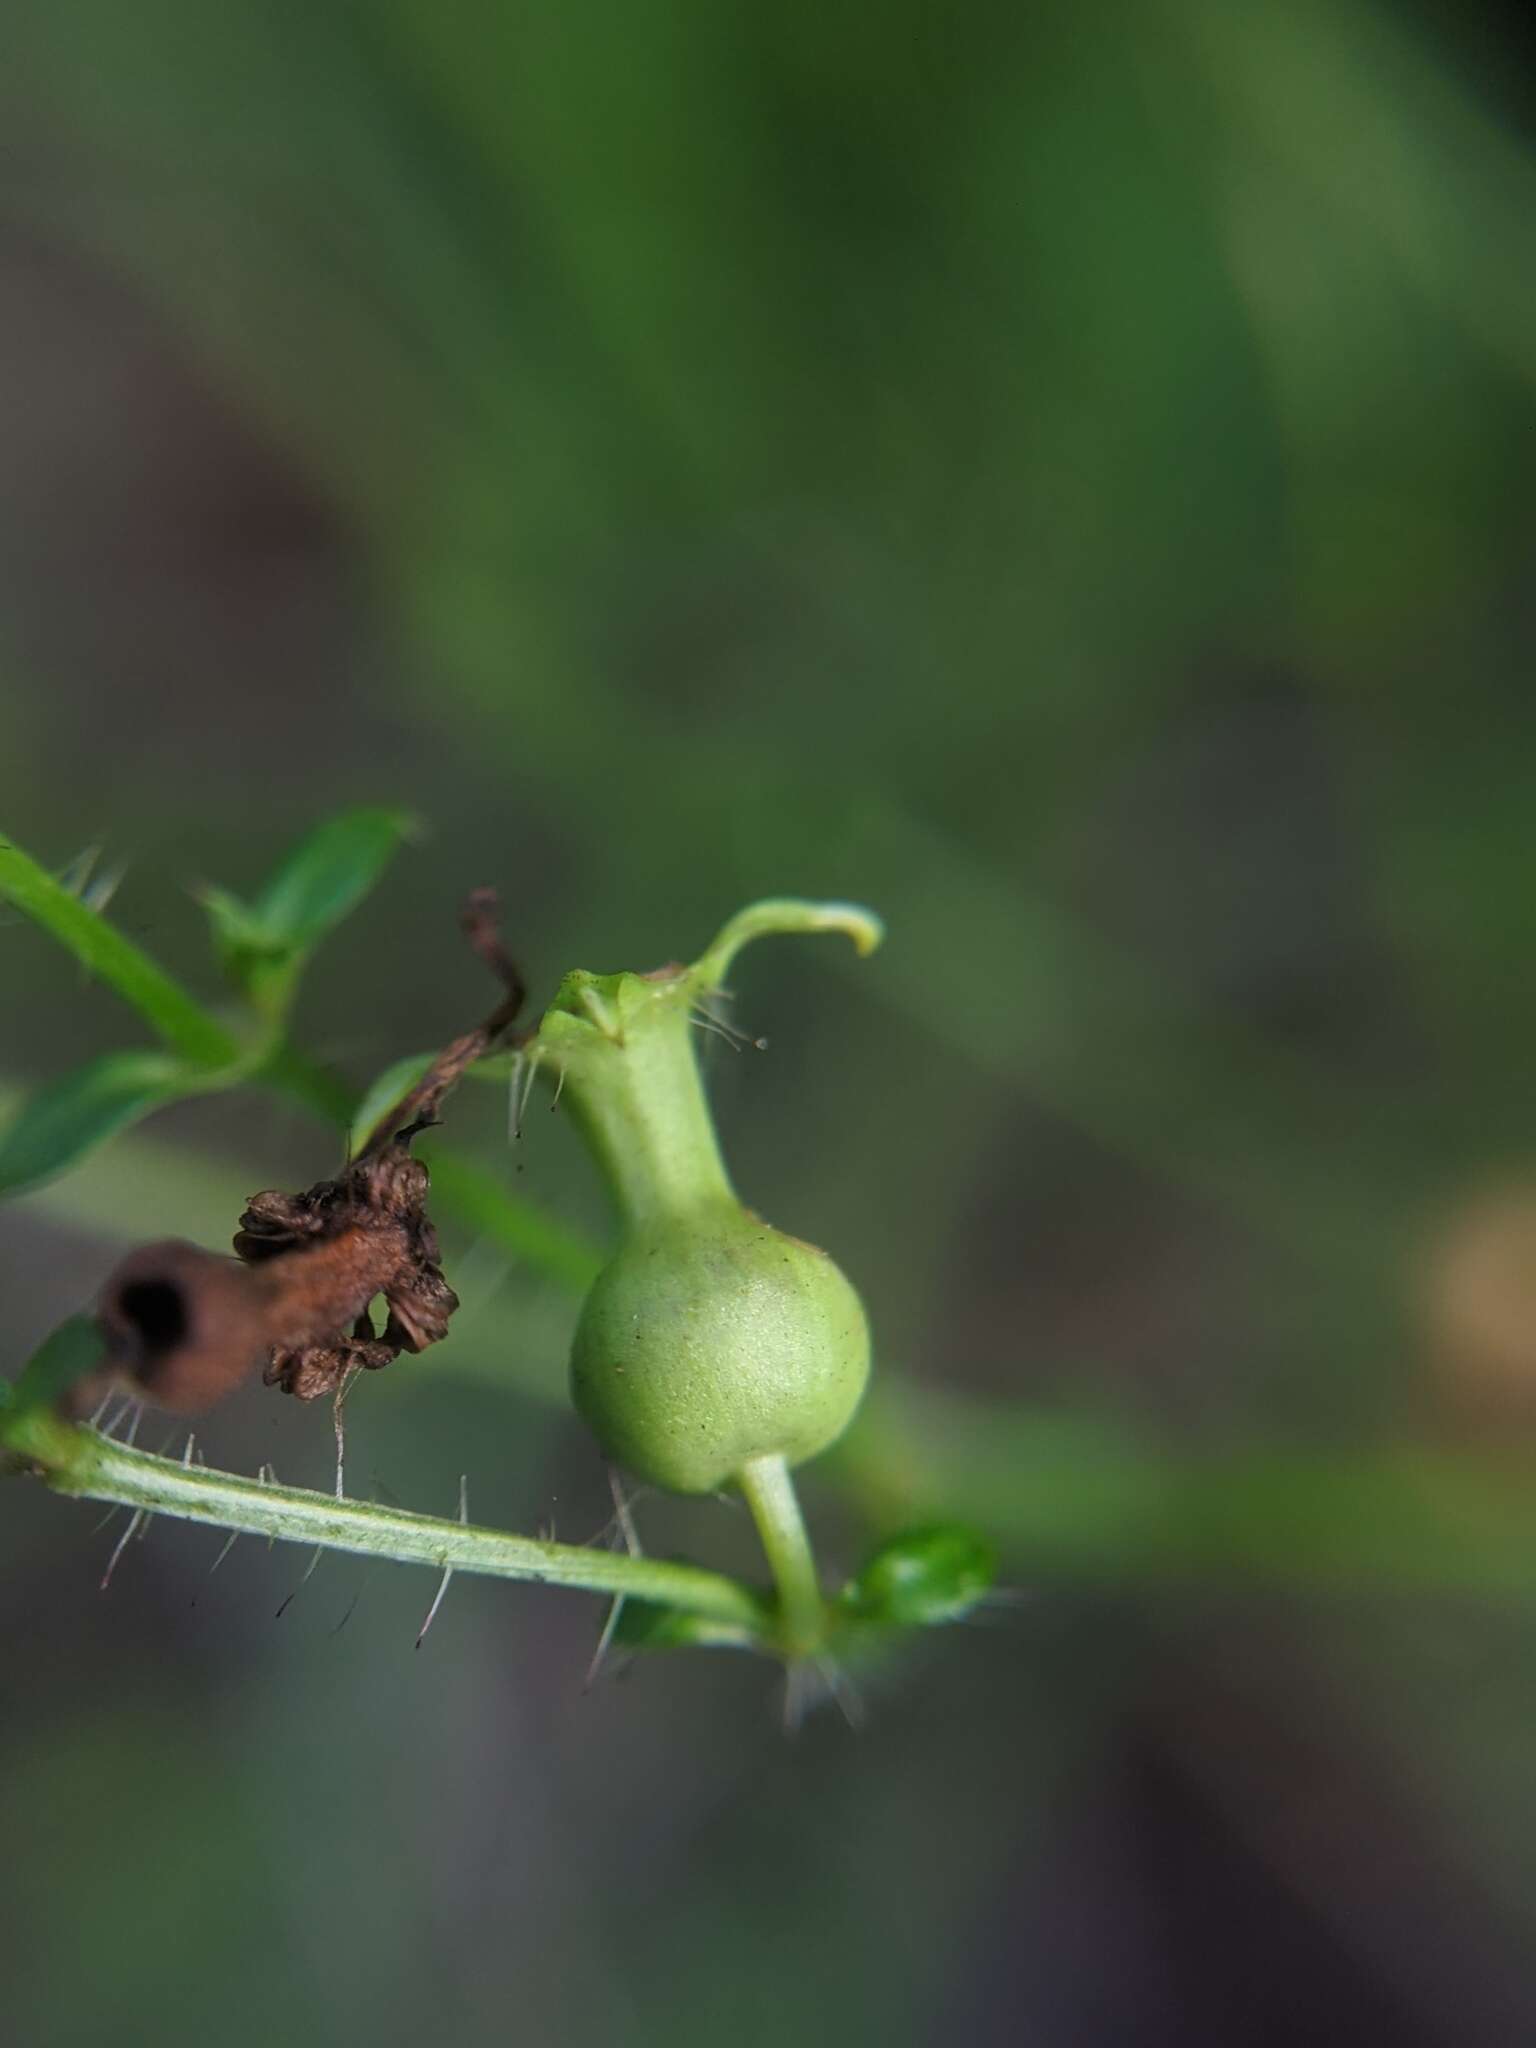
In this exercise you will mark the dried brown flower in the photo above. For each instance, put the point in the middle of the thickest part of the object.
(336, 1247)
(184, 1325)
(344, 1242)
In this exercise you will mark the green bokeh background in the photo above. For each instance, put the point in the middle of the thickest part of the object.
(1061, 474)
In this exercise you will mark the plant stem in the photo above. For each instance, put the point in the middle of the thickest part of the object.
(477, 1198)
(79, 1462)
(306, 1082)
(770, 1494)
(100, 948)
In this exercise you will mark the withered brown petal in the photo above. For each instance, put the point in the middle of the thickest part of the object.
(419, 1309)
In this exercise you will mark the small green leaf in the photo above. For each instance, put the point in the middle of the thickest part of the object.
(236, 928)
(392, 1086)
(328, 874)
(70, 1117)
(263, 944)
(75, 1349)
(923, 1577)
(649, 1625)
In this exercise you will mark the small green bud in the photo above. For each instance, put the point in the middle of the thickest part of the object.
(922, 1578)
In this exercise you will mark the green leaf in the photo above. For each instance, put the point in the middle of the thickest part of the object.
(236, 927)
(651, 1625)
(103, 951)
(398, 1079)
(75, 1349)
(328, 874)
(923, 1577)
(391, 1086)
(262, 945)
(70, 1117)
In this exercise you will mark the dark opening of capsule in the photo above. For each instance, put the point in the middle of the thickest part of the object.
(157, 1310)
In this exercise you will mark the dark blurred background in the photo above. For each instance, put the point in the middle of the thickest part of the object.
(1062, 474)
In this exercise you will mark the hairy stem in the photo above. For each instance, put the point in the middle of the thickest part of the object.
(79, 1462)
(182, 1022)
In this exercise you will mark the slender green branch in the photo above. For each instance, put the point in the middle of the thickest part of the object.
(77, 1461)
(475, 1196)
(313, 1087)
(181, 1021)
(770, 1494)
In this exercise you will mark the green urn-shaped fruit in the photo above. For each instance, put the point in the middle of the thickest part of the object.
(712, 1342)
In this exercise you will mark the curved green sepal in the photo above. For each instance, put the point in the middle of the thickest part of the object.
(783, 915)
(610, 1006)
